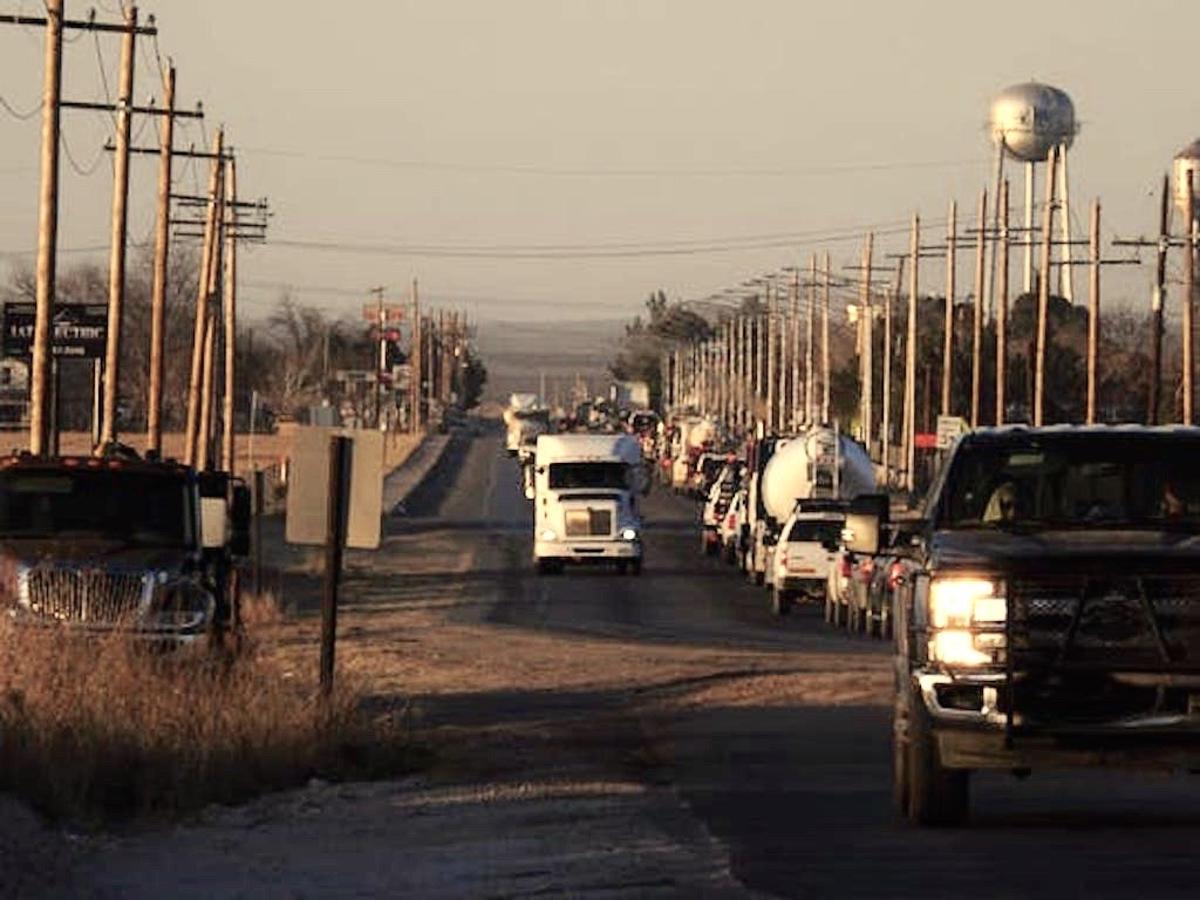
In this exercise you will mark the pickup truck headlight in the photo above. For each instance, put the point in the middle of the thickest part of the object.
(629, 534)
(549, 534)
(964, 602)
(966, 615)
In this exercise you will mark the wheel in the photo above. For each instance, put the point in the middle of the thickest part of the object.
(828, 608)
(935, 795)
(635, 567)
(549, 567)
(781, 603)
(711, 547)
(622, 567)
(729, 554)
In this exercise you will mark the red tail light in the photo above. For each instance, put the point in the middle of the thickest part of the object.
(895, 575)
(729, 521)
(845, 567)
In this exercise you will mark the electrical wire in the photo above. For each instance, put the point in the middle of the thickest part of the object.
(17, 114)
(84, 171)
(104, 77)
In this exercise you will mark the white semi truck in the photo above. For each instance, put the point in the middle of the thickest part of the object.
(585, 501)
(524, 419)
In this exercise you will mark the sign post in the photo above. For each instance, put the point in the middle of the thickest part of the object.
(335, 539)
(949, 429)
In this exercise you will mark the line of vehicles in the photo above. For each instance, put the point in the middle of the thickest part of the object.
(1044, 601)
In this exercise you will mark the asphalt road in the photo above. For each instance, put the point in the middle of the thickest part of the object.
(799, 794)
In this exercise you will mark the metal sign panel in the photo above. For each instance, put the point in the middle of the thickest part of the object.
(308, 487)
(949, 428)
(80, 330)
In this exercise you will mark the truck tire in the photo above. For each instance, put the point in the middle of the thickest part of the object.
(635, 567)
(549, 567)
(936, 797)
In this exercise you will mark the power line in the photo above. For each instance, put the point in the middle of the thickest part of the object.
(586, 172)
(17, 114)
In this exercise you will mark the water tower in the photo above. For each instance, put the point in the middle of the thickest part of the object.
(1187, 160)
(1028, 122)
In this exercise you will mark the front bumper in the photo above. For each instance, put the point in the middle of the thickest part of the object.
(973, 731)
(142, 632)
(800, 582)
(586, 549)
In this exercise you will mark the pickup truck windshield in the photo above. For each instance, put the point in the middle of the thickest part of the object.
(1074, 480)
(138, 508)
(567, 476)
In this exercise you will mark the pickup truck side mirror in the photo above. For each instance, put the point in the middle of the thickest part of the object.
(240, 516)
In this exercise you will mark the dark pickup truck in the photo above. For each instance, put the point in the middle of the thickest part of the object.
(97, 544)
(1048, 611)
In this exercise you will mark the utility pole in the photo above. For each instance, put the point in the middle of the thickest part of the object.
(948, 337)
(1189, 300)
(867, 391)
(47, 254)
(120, 220)
(810, 315)
(977, 324)
(1158, 301)
(207, 256)
(825, 364)
(228, 450)
(1093, 312)
(771, 355)
(1039, 372)
(414, 361)
(381, 363)
(910, 359)
(1002, 306)
(162, 244)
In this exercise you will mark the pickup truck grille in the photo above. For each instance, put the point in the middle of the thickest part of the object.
(90, 596)
(588, 522)
(1071, 637)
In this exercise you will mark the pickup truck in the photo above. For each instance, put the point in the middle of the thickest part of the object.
(97, 544)
(1047, 610)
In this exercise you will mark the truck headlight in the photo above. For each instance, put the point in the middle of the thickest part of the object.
(629, 534)
(966, 615)
(549, 534)
(963, 602)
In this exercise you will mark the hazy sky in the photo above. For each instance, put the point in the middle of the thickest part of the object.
(500, 127)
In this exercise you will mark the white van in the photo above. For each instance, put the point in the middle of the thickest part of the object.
(808, 548)
(585, 501)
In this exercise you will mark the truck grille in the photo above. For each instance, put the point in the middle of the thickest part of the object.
(1075, 640)
(1150, 622)
(588, 522)
(90, 596)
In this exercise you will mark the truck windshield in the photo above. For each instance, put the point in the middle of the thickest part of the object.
(1147, 480)
(138, 508)
(566, 476)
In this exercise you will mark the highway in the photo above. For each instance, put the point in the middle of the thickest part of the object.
(800, 792)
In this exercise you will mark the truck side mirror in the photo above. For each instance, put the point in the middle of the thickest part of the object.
(240, 516)
(213, 522)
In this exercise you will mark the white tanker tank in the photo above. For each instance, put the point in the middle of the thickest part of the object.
(818, 464)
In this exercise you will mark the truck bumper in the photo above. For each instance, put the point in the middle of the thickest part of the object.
(584, 550)
(972, 732)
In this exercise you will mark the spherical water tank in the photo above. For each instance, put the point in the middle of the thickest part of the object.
(1187, 160)
(1031, 118)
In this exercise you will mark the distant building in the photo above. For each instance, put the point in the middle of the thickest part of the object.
(14, 393)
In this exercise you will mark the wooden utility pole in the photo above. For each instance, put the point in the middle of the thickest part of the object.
(910, 359)
(120, 220)
(414, 362)
(1039, 371)
(1002, 306)
(977, 324)
(948, 338)
(204, 292)
(796, 406)
(772, 297)
(204, 436)
(1157, 302)
(809, 364)
(162, 244)
(1189, 301)
(825, 364)
(47, 254)
(228, 450)
(1093, 342)
(867, 391)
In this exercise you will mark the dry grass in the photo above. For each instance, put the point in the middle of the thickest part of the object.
(101, 729)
